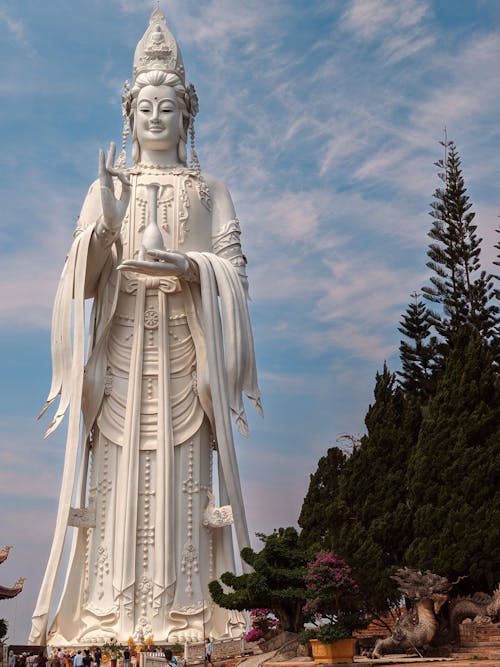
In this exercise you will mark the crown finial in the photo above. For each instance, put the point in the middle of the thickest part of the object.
(158, 48)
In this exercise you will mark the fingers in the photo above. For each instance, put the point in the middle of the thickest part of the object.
(102, 164)
(149, 268)
(174, 262)
(124, 179)
(159, 254)
(107, 170)
(111, 157)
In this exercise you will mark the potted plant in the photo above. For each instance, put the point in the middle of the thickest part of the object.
(334, 608)
(112, 650)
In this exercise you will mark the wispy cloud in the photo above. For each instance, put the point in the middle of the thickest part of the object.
(401, 29)
(15, 27)
(29, 273)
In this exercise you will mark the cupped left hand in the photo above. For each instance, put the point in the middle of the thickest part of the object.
(164, 264)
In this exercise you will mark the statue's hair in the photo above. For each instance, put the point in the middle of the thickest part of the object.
(159, 78)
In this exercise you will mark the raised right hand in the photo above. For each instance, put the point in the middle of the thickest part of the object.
(113, 209)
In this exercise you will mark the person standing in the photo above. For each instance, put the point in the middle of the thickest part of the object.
(170, 658)
(208, 650)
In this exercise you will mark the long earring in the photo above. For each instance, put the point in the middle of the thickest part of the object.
(181, 148)
(121, 161)
(194, 160)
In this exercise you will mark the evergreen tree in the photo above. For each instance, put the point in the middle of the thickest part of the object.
(277, 581)
(417, 356)
(373, 493)
(458, 286)
(316, 517)
(454, 471)
(360, 503)
(497, 263)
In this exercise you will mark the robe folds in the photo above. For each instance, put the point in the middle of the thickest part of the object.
(149, 424)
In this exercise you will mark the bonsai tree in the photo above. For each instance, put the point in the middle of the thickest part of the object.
(333, 599)
(277, 580)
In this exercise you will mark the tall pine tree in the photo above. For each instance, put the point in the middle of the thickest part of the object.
(373, 489)
(418, 352)
(497, 263)
(365, 517)
(461, 290)
(454, 471)
(317, 518)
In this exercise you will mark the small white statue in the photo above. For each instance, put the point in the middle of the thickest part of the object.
(157, 247)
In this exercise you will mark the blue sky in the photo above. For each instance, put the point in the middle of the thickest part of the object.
(323, 118)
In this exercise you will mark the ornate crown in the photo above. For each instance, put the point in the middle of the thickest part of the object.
(158, 49)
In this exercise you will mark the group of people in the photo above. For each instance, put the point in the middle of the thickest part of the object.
(58, 658)
(66, 658)
(85, 658)
(27, 659)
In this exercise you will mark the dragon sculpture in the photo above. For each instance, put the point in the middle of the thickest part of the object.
(416, 629)
(481, 607)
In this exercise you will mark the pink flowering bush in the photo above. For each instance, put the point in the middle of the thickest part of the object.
(264, 625)
(330, 586)
(333, 595)
(253, 635)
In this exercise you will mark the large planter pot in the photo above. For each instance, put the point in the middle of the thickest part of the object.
(341, 650)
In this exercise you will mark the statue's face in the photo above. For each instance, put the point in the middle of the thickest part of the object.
(157, 118)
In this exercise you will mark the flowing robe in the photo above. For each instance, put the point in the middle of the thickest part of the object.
(168, 361)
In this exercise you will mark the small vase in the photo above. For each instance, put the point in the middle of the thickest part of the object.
(152, 238)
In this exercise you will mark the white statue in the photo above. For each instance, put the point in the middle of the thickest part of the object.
(170, 354)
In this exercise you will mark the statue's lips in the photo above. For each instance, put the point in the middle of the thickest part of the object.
(156, 128)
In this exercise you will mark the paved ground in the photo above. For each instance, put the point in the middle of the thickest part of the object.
(360, 661)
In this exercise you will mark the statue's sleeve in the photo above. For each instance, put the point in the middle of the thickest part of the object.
(91, 209)
(100, 251)
(68, 316)
(226, 230)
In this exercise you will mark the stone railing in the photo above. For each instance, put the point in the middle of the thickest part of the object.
(221, 649)
(156, 659)
(195, 652)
